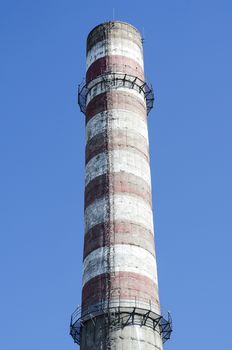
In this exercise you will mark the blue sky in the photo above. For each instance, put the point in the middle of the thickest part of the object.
(188, 59)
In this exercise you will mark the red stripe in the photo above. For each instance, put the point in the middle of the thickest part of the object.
(115, 100)
(116, 139)
(123, 285)
(114, 63)
(116, 183)
(118, 232)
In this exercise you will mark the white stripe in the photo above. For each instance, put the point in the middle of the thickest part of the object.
(145, 304)
(118, 119)
(120, 161)
(124, 207)
(115, 46)
(125, 258)
(99, 89)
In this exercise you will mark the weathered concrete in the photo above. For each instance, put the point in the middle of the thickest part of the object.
(121, 232)
(132, 288)
(124, 161)
(100, 336)
(113, 101)
(120, 119)
(126, 207)
(117, 29)
(116, 64)
(102, 88)
(127, 258)
(119, 264)
(122, 47)
(119, 183)
(119, 139)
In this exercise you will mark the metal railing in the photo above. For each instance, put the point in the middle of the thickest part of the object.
(122, 313)
(110, 81)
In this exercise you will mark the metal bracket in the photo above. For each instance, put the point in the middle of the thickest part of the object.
(114, 81)
(120, 316)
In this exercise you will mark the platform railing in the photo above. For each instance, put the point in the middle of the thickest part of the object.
(109, 81)
(125, 313)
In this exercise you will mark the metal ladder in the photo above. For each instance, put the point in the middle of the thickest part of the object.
(109, 226)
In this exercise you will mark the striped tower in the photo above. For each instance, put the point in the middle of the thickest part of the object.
(120, 303)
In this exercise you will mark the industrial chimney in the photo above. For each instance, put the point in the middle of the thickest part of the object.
(120, 307)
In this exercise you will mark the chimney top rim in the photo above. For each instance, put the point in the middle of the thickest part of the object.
(113, 21)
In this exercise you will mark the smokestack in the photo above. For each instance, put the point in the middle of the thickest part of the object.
(120, 302)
